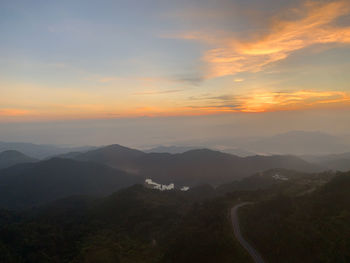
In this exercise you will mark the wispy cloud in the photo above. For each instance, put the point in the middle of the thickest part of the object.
(303, 99)
(265, 101)
(203, 105)
(315, 24)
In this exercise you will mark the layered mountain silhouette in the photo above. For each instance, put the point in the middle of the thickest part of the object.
(40, 151)
(32, 184)
(107, 169)
(192, 167)
(11, 157)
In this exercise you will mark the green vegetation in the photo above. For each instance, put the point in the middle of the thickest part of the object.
(314, 227)
(205, 235)
(296, 217)
(132, 225)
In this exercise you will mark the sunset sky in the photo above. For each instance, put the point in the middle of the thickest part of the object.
(73, 60)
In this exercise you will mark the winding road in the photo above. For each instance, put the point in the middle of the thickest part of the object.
(235, 222)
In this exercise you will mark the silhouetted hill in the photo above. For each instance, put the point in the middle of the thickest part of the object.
(238, 151)
(183, 149)
(170, 149)
(192, 167)
(115, 155)
(189, 168)
(10, 157)
(40, 151)
(34, 184)
(207, 166)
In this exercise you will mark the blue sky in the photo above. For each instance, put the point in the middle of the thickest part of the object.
(73, 60)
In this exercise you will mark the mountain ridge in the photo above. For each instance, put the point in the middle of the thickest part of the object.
(192, 167)
(27, 185)
(13, 157)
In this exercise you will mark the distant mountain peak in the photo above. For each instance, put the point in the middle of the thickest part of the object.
(12, 157)
(116, 147)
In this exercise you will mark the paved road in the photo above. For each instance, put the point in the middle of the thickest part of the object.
(235, 222)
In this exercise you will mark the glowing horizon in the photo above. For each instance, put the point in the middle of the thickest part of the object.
(64, 61)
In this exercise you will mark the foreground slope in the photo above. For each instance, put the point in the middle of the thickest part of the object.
(27, 185)
(313, 227)
(133, 225)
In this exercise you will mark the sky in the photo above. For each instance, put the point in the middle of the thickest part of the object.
(142, 62)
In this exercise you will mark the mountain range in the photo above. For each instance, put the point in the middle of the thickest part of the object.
(29, 182)
(192, 167)
(26, 181)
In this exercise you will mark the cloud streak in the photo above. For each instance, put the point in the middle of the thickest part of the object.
(14, 112)
(303, 99)
(315, 24)
(205, 105)
(272, 101)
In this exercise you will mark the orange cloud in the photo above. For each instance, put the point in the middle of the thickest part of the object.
(14, 112)
(261, 101)
(275, 101)
(254, 103)
(264, 101)
(315, 25)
